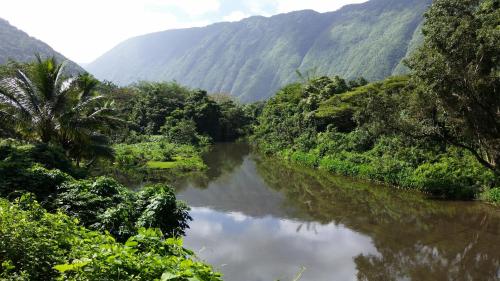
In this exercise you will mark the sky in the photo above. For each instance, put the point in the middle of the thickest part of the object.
(82, 30)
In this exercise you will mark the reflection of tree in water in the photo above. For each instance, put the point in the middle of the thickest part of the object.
(445, 252)
(417, 239)
(221, 159)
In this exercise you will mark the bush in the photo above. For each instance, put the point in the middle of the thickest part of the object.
(103, 204)
(441, 172)
(48, 155)
(182, 131)
(452, 177)
(493, 195)
(36, 245)
(43, 183)
(32, 168)
(157, 207)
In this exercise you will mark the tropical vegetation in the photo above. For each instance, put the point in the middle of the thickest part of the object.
(64, 223)
(435, 130)
(71, 145)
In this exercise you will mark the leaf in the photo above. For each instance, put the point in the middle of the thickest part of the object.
(131, 244)
(71, 267)
(168, 276)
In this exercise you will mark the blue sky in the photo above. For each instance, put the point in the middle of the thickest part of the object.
(91, 27)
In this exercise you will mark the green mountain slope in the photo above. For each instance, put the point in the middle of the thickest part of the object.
(19, 46)
(252, 58)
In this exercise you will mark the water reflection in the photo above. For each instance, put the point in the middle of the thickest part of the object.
(258, 219)
(268, 248)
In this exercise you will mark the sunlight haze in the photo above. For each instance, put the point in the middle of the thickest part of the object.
(93, 27)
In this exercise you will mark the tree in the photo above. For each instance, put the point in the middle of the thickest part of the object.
(457, 71)
(47, 106)
(155, 102)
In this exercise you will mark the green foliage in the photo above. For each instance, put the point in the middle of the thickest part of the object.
(457, 69)
(158, 150)
(36, 245)
(103, 204)
(366, 132)
(493, 195)
(159, 208)
(100, 204)
(183, 115)
(28, 168)
(462, 176)
(153, 103)
(293, 117)
(183, 131)
(42, 104)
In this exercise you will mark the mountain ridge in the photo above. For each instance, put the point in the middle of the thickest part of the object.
(252, 58)
(16, 44)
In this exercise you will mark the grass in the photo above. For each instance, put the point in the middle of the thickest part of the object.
(180, 163)
(159, 154)
(162, 165)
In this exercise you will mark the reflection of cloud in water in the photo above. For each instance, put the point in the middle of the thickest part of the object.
(241, 191)
(250, 249)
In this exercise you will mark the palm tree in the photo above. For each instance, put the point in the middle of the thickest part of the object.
(45, 105)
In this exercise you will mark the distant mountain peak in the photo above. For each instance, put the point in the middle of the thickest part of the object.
(254, 57)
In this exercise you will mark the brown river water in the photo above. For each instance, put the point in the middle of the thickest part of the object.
(258, 219)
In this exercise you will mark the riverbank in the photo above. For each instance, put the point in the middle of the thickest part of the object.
(447, 178)
(368, 131)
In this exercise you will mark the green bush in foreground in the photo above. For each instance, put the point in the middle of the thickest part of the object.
(103, 204)
(36, 245)
(493, 195)
(99, 204)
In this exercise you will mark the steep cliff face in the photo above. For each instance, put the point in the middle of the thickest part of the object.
(252, 58)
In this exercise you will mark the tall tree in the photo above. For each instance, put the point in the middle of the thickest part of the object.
(47, 106)
(458, 71)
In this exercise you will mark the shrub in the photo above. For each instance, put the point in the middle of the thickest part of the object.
(103, 204)
(43, 183)
(182, 131)
(304, 158)
(158, 207)
(451, 177)
(493, 195)
(48, 155)
(36, 245)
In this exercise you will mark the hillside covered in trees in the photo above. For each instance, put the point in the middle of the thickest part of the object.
(253, 58)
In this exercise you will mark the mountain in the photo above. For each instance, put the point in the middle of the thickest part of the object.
(19, 46)
(253, 58)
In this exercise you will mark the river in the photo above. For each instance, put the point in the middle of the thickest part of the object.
(259, 219)
(256, 219)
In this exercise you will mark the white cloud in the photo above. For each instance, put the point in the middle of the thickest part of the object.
(322, 6)
(237, 216)
(191, 7)
(258, 7)
(83, 30)
(236, 16)
(275, 249)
